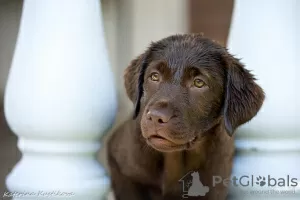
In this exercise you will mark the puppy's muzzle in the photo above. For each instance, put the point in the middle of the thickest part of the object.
(161, 119)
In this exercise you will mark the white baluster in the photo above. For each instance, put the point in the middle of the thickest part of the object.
(263, 33)
(59, 99)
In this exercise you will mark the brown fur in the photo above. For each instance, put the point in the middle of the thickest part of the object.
(196, 124)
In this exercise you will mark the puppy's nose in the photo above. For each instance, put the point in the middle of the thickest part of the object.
(159, 116)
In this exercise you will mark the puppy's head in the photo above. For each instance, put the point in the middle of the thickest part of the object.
(185, 85)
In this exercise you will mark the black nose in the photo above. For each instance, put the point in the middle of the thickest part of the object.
(159, 116)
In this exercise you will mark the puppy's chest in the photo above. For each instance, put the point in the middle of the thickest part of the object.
(144, 168)
(164, 172)
(177, 165)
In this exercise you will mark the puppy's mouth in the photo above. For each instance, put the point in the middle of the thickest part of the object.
(163, 144)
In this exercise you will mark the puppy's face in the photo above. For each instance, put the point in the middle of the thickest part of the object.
(183, 95)
(185, 85)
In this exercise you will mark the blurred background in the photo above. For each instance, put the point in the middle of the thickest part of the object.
(130, 25)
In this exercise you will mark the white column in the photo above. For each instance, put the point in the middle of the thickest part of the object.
(263, 34)
(59, 99)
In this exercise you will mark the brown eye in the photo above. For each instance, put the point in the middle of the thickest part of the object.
(154, 76)
(198, 83)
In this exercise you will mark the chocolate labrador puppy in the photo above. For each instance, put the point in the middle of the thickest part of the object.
(190, 95)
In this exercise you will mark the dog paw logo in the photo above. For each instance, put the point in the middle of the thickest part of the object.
(192, 185)
(261, 181)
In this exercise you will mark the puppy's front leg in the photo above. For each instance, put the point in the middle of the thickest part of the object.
(124, 188)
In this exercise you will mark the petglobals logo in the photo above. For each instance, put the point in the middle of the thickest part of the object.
(254, 181)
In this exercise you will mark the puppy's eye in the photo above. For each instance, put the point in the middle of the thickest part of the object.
(154, 76)
(198, 83)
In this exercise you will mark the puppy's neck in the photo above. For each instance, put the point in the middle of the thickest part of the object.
(177, 164)
(173, 169)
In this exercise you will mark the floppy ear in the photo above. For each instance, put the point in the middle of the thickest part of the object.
(134, 80)
(131, 76)
(243, 97)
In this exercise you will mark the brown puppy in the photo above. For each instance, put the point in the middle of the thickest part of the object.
(190, 95)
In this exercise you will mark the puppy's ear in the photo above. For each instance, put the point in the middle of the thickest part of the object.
(134, 80)
(243, 97)
(131, 77)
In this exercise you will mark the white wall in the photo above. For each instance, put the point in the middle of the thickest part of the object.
(155, 19)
